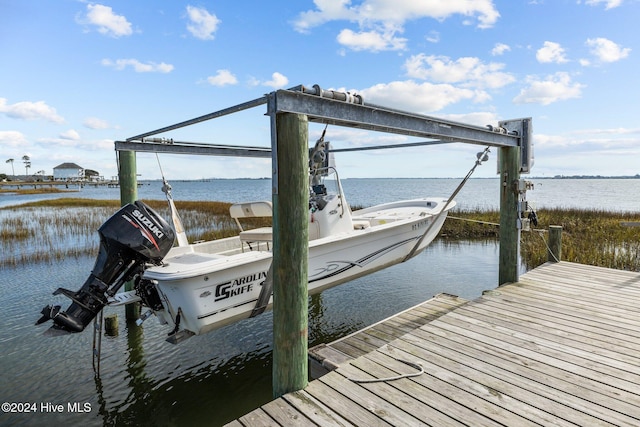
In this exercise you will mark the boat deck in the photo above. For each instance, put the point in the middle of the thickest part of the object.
(560, 347)
(396, 212)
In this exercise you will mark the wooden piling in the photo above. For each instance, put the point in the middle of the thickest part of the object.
(554, 254)
(128, 194)
(509, 160)
(127, 177)
(290, 254)
(111, 325)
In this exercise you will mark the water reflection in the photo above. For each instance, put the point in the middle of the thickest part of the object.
(207, 380)
(138, 383)
(213, 391)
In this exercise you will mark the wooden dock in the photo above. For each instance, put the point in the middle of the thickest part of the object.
(324, 358)
(561, 347)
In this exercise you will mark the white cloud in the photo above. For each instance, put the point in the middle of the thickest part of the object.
(481, 118)
(328, 10)
(252, 81)
(551, 52)
(553, 88)
(419, 97)
(106, 20)
(396, 12)
(499, 49)
(202, 23)
(624, 149)
(468, 71)
(596, 142)
(606, 50)
(12, 138)
(277, 81)
(374, 41)
(98, 145)
(222, 78)
(609, 4)
(380, 20)
(30, 111)
(71, 135)
(611, 131)
(351, 137)
(95, 123)
(139, 67)
(433, 37)
(555, 141)
(76, 144)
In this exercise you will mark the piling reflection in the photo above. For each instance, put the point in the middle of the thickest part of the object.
(138, 383)
(230, 374)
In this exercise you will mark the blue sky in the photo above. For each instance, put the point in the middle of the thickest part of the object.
(77, 75)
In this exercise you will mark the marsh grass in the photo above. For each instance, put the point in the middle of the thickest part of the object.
(37, 190)
(50, 230)
(594, 237)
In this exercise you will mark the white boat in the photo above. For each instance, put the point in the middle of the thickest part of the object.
(199, 287)
(218, 282)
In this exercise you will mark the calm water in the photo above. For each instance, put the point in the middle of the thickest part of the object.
(609, 194)
(209, 380)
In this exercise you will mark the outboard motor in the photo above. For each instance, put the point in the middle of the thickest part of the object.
(132, 237)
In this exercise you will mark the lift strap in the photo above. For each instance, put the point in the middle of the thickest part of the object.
(265, 293)
(481, 157)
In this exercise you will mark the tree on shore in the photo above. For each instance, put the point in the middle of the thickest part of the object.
(27, 164)
(13, 173)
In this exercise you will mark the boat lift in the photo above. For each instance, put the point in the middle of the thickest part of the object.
(342, 109)
(350, 110)
(292, 109)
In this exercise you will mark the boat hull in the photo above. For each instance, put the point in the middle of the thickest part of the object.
(212, 290)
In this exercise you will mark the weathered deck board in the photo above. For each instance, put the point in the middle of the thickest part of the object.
(560, 347)
(324, 358)
(317, 412)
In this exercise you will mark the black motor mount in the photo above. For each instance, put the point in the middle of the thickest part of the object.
(132, 237)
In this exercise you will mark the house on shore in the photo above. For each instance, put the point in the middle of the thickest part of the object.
(91, 175)
(68, 172)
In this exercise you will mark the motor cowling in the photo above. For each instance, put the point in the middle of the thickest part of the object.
(133, 237)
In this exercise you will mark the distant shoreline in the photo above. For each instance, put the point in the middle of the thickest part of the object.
(637, 176)
(525, 176)
(40, 187)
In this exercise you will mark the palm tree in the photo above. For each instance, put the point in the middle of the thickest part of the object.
(27, 165)
(13, 173)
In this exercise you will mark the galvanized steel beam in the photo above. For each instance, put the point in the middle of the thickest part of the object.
(337, 108)
(383, 119)
(177, 147)
(234, 109)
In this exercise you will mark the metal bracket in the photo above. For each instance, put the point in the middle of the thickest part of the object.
(271, 112)
(523, 129)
